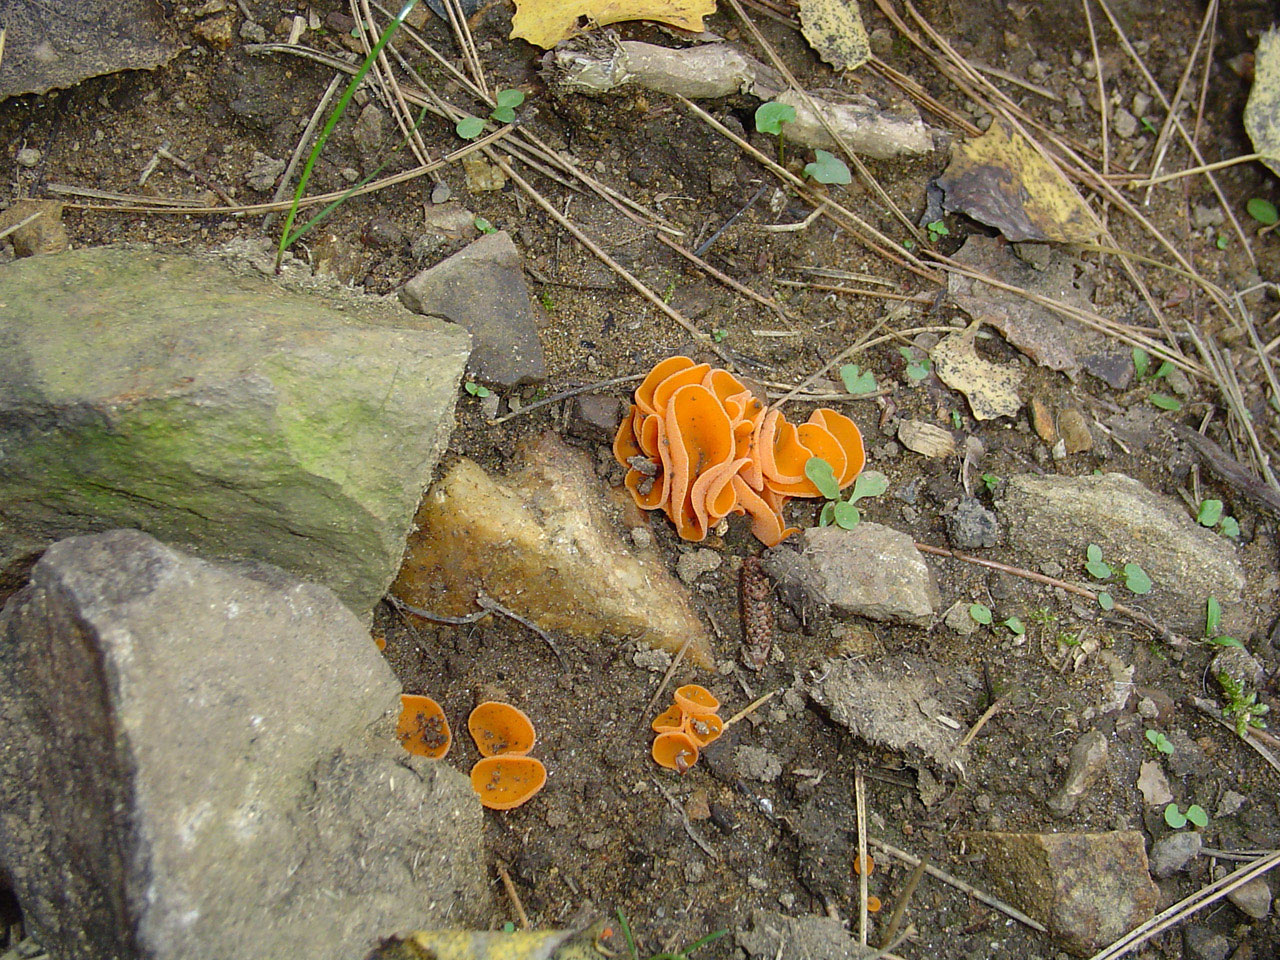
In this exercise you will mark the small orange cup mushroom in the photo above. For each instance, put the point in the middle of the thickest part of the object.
(675, 750)
(423, 729)
(704, 728)
(873, 903)
(499, 728)
(857, 865)
(670, 720)
(504, 782)
(695, 700)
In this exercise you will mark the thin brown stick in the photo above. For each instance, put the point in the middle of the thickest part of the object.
(987, 714)
(1165, 634)
(1186, 907)
(864, 862)
(612, 264)
(666, 678)
(512, 895)
(565, 395)
(900, 907)
(988, 899)
(750, 708)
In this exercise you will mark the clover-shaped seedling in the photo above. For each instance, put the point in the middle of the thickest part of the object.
(1177, 819)
(507, 101)
(842, 513)
(1159, 741)
(1142, 365)
(1098, 569)
(1210, 515)
(827, 168)
(1136, 579)
(917, 368)
(476, 389)
(856, 380)
(980, 613)
(772, 115)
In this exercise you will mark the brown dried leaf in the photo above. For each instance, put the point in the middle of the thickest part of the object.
(1001, 180)
(991, 388)
(546, 22)
(834, 29)
(926, 439)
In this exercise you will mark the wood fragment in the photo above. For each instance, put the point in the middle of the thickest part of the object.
(1231, 470)
(513, 895)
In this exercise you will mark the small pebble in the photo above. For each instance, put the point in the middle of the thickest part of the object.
(1171, 854)
(757, 883)
(1252, 898)
(695, 871)
(642, 537)
(441, 192)
(1125, 123)
(28, 157)
(253, 32)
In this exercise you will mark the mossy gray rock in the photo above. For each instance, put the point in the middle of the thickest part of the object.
(218, 411)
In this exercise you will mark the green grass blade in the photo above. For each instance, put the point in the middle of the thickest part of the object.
(339, 109)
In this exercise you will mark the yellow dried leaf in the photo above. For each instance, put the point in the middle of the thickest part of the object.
(834, 29)
(546, 22)
(991, 388)
(1001, 180)
(1262, 112)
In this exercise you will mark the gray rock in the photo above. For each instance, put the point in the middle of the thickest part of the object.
(775, 936)
(1171, 854)
(219, 412)
(1230, 804)
(1201, 943)
(1253, 898)
(971, 525)
(959, 620)
(1088, 761)
(1124, 123)
(482, 288)
(596, 417)
(690, 566)
(369, 132)
(199, 761)
(263, 172)
(870, 571)
(884, 703)
(1089, 889)
(49, 48)
(1052, 517)
(757, 763)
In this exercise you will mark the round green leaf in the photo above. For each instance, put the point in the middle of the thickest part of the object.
(771, 116)
(468, 128)
(1016, 626)
(1136, 579)
(1230, 527)
(503, 115)
(1209, 514)
(869, 484)
(981, 613)
(828, 514)
(1196, 814)
(1164, 402)
(1173, 817)
(847, 515)
(857, 381)
(1098, 569)
(1105, 601)
(822, 476)
(1264, 211)
(1093, 553)
(827, 168)
(510, 98)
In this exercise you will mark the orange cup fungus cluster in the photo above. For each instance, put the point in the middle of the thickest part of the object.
(699, 445)
(505, 777)
(685, 727)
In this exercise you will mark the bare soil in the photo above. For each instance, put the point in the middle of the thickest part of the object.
(602, 829)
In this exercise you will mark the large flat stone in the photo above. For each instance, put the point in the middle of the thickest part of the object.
(541, 542)
(198, 762)
(219, 411)
(1056, 518)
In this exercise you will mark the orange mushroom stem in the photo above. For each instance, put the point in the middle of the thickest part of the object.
(698, 445)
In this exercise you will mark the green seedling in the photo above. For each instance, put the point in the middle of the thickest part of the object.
(1136, 579)
(856, 380)
(991, 482)
(1264, 211)
(548, 302)
(484, 226)
(956, 422)
(1142, 366)
(468, 128)
(842, 513)
(917, 369)
(288, 235)
(1106, 601)
(1165, 402)
(1210, 515)
(1213, 625)
(937, 229)
(980, 613)
(685, 954)
(719, 334)
(476, 389)
(772, 115)
(827, 168)
(508, 927)
(1150, 127)
(1222, 242)
(1195, 814)
(908, 244)
(1016, 627)
(1098, 569)
(1159, 741)
(1243, 711)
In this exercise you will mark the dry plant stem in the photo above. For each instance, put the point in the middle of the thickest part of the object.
(195, 174)
(127, 202)
(912, 861)
(1182, 131)
(304, 143)
(1211, 710)
(488, 603)
(684, 819)
(863, 173)
(1104, 113)
(391, 93)
(612, 264)
(666, 678)
(565, 395)
(987, 714)
(729, 282)
(404, 608)
(1165, 634)
(466, 43)
(860, 807)
(750, 708)
(921, 96)
(1186, 907)
(512, 895)
(869, 235)
(900, 908)
(20, 224)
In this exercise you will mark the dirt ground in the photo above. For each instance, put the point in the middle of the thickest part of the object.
(603, 830)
